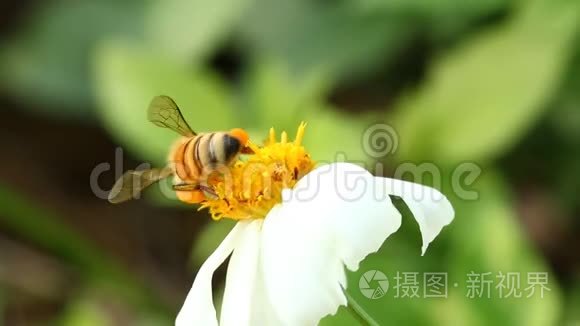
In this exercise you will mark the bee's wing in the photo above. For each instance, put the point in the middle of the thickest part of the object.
(131, 184)
(164, 113)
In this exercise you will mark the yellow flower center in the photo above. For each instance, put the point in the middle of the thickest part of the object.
(251, 187)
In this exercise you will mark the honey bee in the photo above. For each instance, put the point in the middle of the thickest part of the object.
(192, 157)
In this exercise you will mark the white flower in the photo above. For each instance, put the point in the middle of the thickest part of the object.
(289, 267)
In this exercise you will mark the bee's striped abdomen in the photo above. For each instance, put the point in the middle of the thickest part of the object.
(185, 167)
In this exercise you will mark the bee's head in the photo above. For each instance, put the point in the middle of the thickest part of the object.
(241, 135)
(234, 142)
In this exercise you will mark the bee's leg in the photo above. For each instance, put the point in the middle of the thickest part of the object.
(186, 187)
(208, 191)
(192, 193)
(191, 196)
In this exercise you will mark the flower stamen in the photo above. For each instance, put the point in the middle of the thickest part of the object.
(252, 186)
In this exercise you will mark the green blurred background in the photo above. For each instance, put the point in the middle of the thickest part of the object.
(493, 82)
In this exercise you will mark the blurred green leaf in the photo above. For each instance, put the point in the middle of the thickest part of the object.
(566, 116)
(333, 136)
(45, 229)
(90, 306)
(442, 17)
(47, 62)
(572, 304)
(480, 98)
(188, 30)
(323, 37)
(83, 312)
(210, 238)
(2, 303)
(127, 78)
(430, 7)
(487, 237)
(275, 97)
(278, 98)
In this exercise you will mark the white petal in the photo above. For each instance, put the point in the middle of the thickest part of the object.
(238, 300)
(262, 310)
(198, 308)
(329, 220)
(431, 208)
